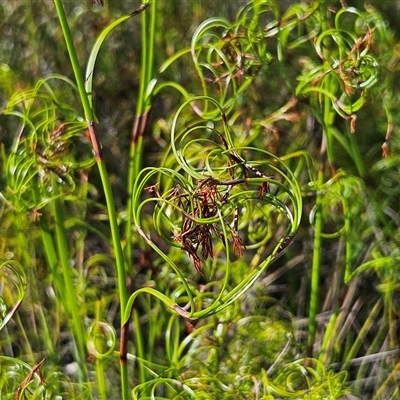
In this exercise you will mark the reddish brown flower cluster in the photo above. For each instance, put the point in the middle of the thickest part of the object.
(200, 221)
(195, 234)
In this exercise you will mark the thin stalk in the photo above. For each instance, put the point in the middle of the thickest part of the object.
(355, 151)
(50, 250)
(71, 301)
(330, 337)
(316, 264)
(101, 381)
(389, 385)
(42, 333)
(362, 334)
(139, 345)
(147, 72)
(136, 149)
(372, 350)
(119, 258)
(390, 314)
(141, 118)
(318, 224)
(26, 257)
(22, 335)
(99, 363)
(74, 59)
(326, 348)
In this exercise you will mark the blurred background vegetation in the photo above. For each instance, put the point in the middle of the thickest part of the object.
(32, 47)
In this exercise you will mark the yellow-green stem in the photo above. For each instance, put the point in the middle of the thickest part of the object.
(71, 304)
(122, 289)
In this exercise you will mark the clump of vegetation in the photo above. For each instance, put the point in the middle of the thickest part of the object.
(245, 243)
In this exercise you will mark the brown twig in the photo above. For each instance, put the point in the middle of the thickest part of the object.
(25, 382)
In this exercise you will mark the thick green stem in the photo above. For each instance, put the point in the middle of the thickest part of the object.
(74, 59)
(122, 289)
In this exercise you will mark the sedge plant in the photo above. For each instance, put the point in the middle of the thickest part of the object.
(173, 294)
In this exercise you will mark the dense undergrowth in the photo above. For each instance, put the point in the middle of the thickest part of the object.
(209, 210)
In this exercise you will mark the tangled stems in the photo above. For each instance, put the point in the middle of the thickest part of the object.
(207, 204)
(343, 76)
(337, 84)
(44, 175)
(314, 381)
(219, 208)
(85, 98)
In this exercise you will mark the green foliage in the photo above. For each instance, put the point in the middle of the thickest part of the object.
(244, 244)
